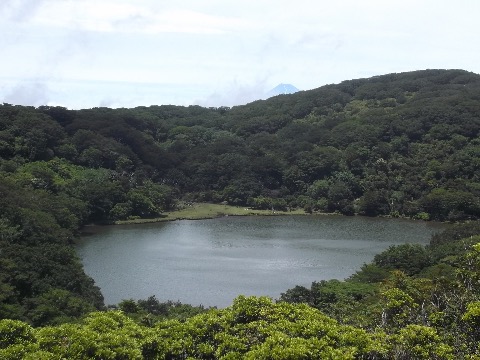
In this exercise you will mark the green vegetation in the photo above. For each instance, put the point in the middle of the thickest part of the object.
(394, 145)
(397, 145)
(252, 328)
(408, 286)
(196, 211)
(387, 310)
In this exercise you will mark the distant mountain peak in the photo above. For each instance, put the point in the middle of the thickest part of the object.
(282, 89)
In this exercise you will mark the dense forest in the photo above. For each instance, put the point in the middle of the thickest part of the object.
(400, 145)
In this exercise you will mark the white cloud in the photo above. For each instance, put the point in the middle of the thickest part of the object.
(225, 51)
(19, 10)
(235, 93)
(131, 17)
(28, 93)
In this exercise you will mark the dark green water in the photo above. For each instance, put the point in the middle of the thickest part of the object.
(210, 262)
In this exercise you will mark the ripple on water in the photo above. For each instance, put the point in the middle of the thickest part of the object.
(210, 262)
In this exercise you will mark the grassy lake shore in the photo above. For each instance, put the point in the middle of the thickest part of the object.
(198, 211)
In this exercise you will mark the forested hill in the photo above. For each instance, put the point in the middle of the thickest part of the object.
(400, 145)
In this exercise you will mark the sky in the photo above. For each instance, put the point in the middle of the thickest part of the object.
(126, 53)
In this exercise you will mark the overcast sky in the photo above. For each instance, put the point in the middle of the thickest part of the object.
(125, 53)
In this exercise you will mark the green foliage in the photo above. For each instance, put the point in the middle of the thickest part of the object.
(108, 335)
(426, 299)
(41, 278)
(252, 328)
(335, 298)
(13, 332)
(397, 145)
(455, 233)
(373, 203)
(472, 319)
(420, 342)
(445, 204)
(398, 308)
(370, 273)
(150, 311)
(57, 306)
(298, 294)
(400, 145)
(146, 201)
(257, 328)
(410, 258)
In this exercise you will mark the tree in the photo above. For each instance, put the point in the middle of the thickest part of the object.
(298, 294)
(373, 203)
(420, 342)
(443, 204)
(409, 258)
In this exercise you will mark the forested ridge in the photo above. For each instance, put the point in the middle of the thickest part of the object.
(396, 145)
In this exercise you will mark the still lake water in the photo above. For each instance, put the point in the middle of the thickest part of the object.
(210, 262)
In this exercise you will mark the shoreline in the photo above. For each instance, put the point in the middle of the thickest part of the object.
(203, 211)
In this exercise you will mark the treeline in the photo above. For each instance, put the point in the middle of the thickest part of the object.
(253, 328)
(411, 302)
(399, 145)
(41, 278)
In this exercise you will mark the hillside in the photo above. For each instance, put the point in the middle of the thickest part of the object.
(397, 145)
(400, 144)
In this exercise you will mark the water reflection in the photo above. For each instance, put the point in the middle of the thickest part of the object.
(210, 262)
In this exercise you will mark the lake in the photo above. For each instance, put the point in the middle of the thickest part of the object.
(210, 262)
